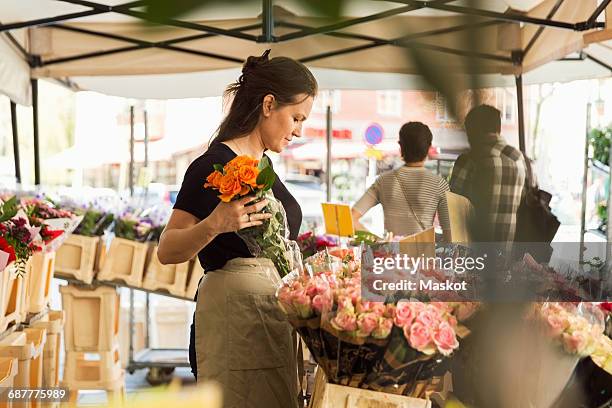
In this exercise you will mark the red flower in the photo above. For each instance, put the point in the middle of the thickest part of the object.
(606, 307)
(6, 247)
(50, 235)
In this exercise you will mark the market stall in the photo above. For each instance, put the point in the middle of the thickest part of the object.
(103, 46)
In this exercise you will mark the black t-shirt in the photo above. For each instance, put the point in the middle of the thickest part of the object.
(200, 202)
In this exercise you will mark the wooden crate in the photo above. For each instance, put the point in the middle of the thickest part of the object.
(12, 294)
(27, 347)
(326, 395)
(103, 372)
(76, 258)
(125, 261)
(171, 278)
(8, 372)
(39, 281)
(92, 318)
(53, 323)
(193, 279)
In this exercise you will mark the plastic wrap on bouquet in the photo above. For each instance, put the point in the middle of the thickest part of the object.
(67, 225)
(271, 239)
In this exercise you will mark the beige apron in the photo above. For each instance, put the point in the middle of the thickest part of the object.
(242, 337)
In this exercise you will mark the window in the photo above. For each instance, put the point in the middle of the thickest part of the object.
(389, 103)
(442, 113)
(506, 103)
(325, 98)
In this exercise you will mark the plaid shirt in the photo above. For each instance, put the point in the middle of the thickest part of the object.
(492, 177)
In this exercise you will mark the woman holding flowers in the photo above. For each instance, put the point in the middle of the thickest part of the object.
(242, 338)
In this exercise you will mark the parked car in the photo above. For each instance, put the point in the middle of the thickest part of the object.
(310, 193)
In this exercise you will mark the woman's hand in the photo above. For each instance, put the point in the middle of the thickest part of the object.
(238, 214)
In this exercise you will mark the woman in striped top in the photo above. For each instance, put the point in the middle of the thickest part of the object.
(411, 195)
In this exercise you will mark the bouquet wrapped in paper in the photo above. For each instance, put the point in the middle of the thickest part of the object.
(383, 346)
(244, 176)
(18, 239)
(55, 223)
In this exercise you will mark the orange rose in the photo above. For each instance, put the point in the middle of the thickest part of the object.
(238, 162)
(229, 186)
(213, 179)
(248, 175)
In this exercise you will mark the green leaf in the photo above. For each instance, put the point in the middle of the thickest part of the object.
(266, 177)
(9, 209)
(218, 167)
(263, 163)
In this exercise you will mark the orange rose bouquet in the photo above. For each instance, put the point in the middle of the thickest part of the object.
(244, 176)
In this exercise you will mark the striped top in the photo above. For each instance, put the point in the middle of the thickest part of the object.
(426, 193)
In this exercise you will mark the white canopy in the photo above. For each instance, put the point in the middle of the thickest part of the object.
(115, 53)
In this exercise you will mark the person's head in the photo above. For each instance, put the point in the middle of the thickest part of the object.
(415, 141)
(273, 96)
(481, 123)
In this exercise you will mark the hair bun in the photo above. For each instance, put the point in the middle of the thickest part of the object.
(252, 63)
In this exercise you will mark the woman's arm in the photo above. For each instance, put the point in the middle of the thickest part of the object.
(368, 200)
(185, 235)
(356, 217)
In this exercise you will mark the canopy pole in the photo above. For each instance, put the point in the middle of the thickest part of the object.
(521, 113)
(328, 164)
(585, 176)
(267, 26)
(15, 142)
(35, 131)
(131, 167)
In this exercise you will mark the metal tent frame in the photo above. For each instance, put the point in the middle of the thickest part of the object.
(269, 23)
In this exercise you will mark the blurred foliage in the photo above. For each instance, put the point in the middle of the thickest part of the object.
(600, 141)
(94, 223)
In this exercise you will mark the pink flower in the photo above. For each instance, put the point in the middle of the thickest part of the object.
(574, 343)
(345, 304)
(316, 286)
(429, 317)
(321, 302)
(345, 321)
(418, 336)
(366, 323)
(445, 339)
(374, 307)
(556, 324)
(383, 330)
(301, 302)
(390, 311)
(404, 314)
(285, 297)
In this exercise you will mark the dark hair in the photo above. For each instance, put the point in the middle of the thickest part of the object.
(415, 141)
(283, 77)
(481, 121)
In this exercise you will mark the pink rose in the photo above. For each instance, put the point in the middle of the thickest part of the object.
(301, 302)
(404, 314)
(344, 321)
(374, 307)
(556, 325)
(445, 339)
(345, 304)
(385, 325)
(428, 317)
(366, 323)
(321, 302)
(574, 343)
(418, 336)
(316, 286)
(285, 297)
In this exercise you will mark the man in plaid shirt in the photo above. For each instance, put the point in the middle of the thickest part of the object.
(491, 175)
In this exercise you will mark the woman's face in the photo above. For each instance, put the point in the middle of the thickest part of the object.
(280, 124)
